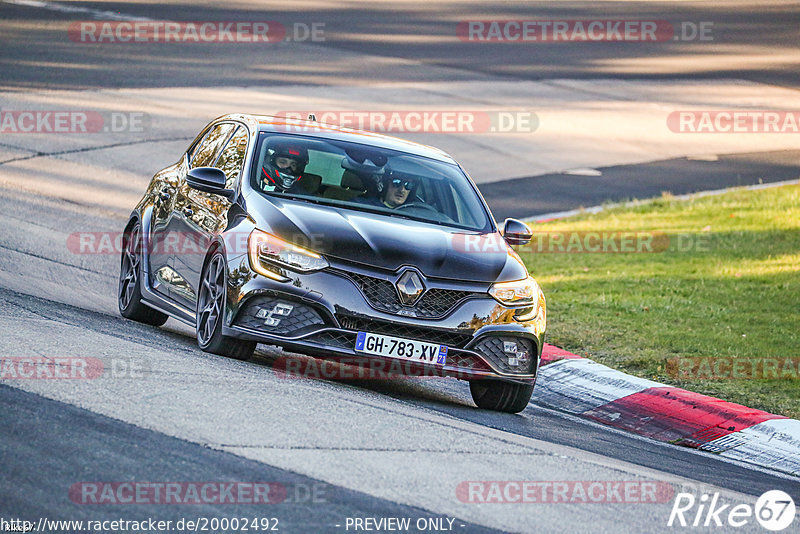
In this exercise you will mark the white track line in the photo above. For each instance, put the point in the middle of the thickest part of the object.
(63, 8)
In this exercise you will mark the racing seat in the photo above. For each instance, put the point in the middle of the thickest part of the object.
(351, 187)
(311, 182)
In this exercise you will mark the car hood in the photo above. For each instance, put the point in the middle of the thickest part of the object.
(387, 242)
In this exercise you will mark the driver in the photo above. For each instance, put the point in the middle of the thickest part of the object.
(393, 192)
(287, 161)
(397, 192)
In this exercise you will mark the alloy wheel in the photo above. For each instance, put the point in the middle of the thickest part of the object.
(212, 295)
(129, 277)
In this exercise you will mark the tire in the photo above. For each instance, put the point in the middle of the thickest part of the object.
(500, 396)
(211, 312)
(129, 293)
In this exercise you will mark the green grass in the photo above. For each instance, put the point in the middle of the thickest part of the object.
(735, 296)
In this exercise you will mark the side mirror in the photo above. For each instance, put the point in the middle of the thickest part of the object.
(209, 180)
(516, 232)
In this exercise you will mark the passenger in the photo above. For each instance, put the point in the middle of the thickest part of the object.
(284, 171)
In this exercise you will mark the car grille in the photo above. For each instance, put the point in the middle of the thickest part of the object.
(333, 338)
(453, 339)
(435, 302)
(494, 348)
(466, 361)
(299, 319)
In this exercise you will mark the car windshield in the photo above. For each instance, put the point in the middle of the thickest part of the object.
(367, 178)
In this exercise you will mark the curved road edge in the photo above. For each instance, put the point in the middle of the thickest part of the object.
(582, 387)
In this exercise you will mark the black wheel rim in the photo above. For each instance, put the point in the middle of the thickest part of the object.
(212, 293)
(129, 270)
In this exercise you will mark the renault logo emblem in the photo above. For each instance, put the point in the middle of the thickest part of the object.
(409, 288)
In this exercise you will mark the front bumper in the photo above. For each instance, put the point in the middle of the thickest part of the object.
(328, 308)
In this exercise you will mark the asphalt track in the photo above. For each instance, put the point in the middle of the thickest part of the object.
(752, 41)
(377, 449)
(555, 192)
(66, 428)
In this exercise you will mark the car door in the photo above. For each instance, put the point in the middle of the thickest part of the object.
(166, 242)
(162, 245)
(199, 215)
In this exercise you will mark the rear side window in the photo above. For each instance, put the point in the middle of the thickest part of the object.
(327, 165)
(208, 150)
(232, 157)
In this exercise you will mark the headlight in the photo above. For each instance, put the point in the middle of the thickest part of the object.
(266, 250)
(517, 293)
(523, 293)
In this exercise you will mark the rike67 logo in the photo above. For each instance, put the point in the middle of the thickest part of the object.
(774, 510)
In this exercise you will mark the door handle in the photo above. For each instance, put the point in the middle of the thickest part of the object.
(187, 211)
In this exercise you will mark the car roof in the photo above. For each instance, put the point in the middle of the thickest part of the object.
(268, 123)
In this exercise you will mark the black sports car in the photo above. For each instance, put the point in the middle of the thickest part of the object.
(335, 242)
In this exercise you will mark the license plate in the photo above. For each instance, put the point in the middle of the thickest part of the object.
(403, 349)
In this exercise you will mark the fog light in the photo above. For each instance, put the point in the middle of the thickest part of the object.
(282, 309)
(268, 315)
(508, 354)
(515, 357)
